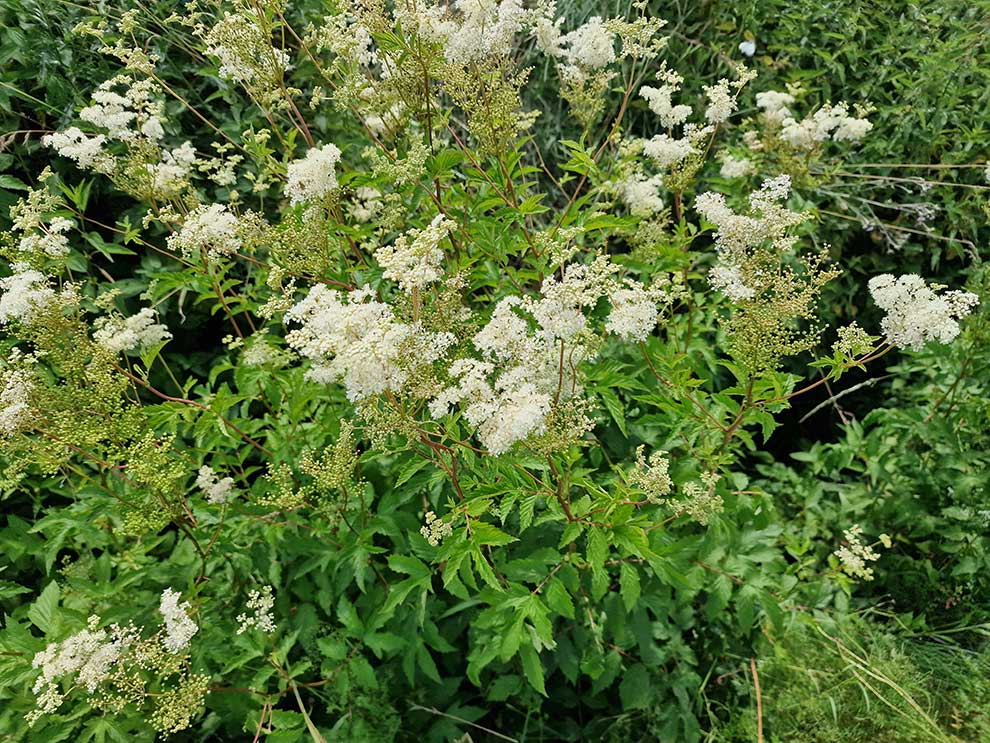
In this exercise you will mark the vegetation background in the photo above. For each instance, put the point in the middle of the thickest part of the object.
(904, 449)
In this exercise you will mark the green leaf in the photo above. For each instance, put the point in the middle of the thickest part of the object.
(597, 552)
(559, 599)
(426, 663)
(635, 691)
(409, 470)
(483, 533)
(571, 532)
(527, 504)
(44, 611)
(629, 585)
(409, 565)
(9, 588)
(532, 668)
(11, 183)
(615, 409)
(503, 687)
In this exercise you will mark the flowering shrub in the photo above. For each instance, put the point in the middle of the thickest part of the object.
(476, 433)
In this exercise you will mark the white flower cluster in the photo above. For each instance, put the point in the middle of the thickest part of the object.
(634, 310)
(245, 52)
(15, 399)
(130, 115)
(665, 150)
(530, 350)
(313, 176)
(854, 555)
(171, 172)
(640, 193)
(915, 313)
(25, 292)
(652, 475)
(721, 101)
(260, 604)
(733, 167)
(481, 28)
(435, 529)
(828, 122)
(179, 627)
(737, 234)
(852, 341)
(591, 46)
(768, 220)
(132, 112)
(728, 279)
(347, 37)
(49, 240)
(360, 342)
(216, 490)
(209, 230)
(699, 500)
(774, 104)
(138, 332)
(415, 259)
(504, 412)
(87, 656)
(366, 205)
(660, 100)
(583, 53)
(87, 152)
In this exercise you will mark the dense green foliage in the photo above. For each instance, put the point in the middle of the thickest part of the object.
(576, 589)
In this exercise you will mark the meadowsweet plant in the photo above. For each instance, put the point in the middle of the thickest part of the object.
(403, 403)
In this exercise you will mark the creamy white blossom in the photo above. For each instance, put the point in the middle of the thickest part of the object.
(728, 279)
(49, 240)
(16, 412)
(721, 101)
(827, 122)
(366, 205)
(172, 172)
(416, 257)
(259, 604)
(138, 332)
(640, 194)
(915, 313)
(87, 152)
(505, 411)
(245, 52)
(768, 219)
(855, 554)
(359, 342)
(129, 109)
(508, 393)
(774, 104)
(313, 176)
(851, 129)
(634, 311)
(736, 167)
(435, 529)
(486, 28)
(24, 293)
(179, 626)
(660, 103)
(211, 230)
(87, 658)
(592, 46)
(665, 151)
(216, 490)
(546, 31)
